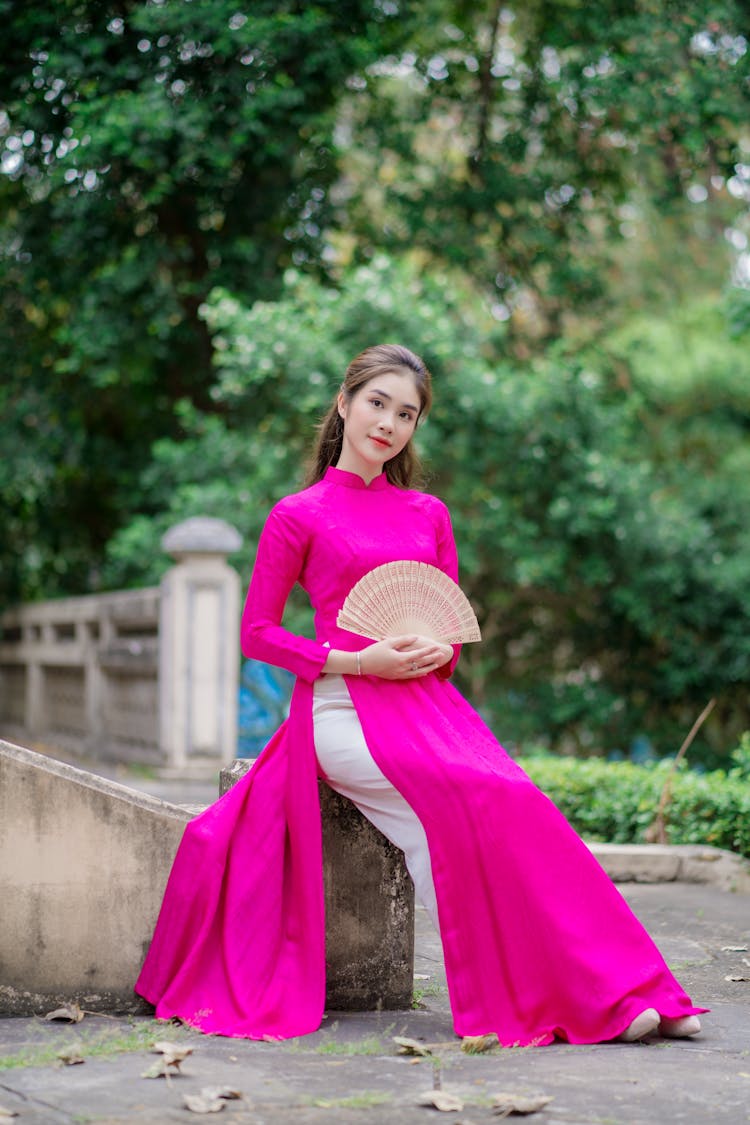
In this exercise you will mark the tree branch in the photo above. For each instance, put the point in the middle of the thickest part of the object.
(485, 89)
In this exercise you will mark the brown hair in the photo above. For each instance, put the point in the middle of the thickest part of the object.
(378, 360)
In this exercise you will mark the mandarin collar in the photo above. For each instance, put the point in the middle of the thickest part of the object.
(354, 480)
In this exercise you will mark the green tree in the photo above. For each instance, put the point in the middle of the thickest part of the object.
(151, 150)
(525, 141)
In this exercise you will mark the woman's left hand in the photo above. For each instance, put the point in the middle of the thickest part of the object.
(439, 653)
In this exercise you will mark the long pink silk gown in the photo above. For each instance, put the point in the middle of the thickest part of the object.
(538, 942)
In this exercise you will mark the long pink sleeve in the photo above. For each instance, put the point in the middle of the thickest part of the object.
(447, 560)
(281, 555)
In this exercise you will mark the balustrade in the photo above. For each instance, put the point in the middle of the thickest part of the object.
(145, 675)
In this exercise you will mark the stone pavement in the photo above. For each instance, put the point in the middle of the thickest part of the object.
(350, 1072)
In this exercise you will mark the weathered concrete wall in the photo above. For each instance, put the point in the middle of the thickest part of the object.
(83, 866)
(369, 903)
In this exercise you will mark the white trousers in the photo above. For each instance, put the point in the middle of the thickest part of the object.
(348, 767)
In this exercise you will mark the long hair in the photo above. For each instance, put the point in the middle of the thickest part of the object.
(404, 469)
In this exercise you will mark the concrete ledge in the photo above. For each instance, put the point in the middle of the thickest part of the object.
(83, 866)
(669, 863)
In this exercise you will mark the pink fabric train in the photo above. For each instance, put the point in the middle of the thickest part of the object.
(538, 942)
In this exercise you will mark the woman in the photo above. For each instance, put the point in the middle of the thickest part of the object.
(538, 943)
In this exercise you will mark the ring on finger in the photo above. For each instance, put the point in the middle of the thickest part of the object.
(414, 666)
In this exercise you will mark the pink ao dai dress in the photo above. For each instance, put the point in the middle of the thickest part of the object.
(538, 942)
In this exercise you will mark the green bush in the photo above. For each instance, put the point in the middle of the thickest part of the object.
(617, 801)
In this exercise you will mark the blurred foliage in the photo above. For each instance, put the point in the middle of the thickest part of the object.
(526, 142)
(616, 802)
(206, 210)
(604, 529)
(150, 151)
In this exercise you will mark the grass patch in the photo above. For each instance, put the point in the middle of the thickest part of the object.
(419, 995)
(366, 1100)
(370, 1045)
(380, 1044)
(93, 1044)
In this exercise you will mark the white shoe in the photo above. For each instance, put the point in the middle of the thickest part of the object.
(644, 1024)
(679, 1028)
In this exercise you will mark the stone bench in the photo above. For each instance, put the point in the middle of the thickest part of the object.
(369, 905)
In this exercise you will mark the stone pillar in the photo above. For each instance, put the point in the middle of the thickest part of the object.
(369, 905)
(34, 708)
(199, 652)
(34, 716)
(87, 637)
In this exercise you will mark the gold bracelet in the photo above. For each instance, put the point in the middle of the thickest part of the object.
(359, 664)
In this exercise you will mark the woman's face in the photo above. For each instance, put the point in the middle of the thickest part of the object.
(378, 422)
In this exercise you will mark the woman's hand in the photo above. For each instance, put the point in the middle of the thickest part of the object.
(406, 657)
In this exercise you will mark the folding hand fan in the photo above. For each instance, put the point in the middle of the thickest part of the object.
(409, 597)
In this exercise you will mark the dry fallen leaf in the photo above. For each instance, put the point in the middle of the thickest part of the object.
(734, 949)
(69, 1056)
(159, 1069)
(410, 1046)
(7, 1112)
(226, 1093)
(503, 1105)
(478, 1044)
(70, 1012)
(199, 1103)
(737, 977)
(442, 1100)
(173, 1053)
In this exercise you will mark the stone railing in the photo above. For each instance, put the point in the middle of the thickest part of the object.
(144, 675)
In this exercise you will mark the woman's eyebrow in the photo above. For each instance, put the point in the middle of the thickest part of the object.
(384, 394)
